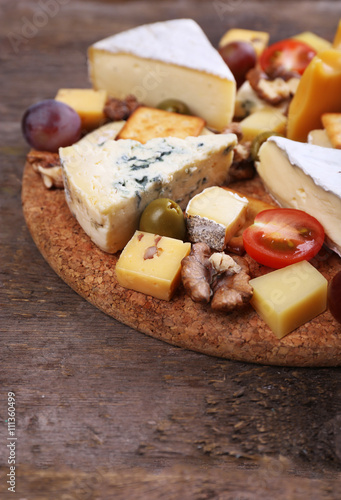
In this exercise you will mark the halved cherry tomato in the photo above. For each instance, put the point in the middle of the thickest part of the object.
(289, 55)
(283, 236)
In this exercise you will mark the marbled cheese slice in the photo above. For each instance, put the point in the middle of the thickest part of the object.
(107, 186)
(306, 177)
(172, 59)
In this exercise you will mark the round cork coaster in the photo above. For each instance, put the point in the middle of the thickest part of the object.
(241, 336)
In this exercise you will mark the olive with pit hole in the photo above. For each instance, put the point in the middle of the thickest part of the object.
(259, 140)
(165, 218)
(174, 106)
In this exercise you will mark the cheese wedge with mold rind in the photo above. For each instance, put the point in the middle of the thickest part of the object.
(214, 216)
(107, 186)
(305, 177)
(166, 60)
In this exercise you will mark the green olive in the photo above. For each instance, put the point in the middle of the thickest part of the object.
(164, 217)
(174, 106)
(259, 140)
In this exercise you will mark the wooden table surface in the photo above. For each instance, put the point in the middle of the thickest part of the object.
(103, 411)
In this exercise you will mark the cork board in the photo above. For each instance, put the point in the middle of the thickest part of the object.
(241, 336)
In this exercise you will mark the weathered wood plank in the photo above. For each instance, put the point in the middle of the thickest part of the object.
(95, 394)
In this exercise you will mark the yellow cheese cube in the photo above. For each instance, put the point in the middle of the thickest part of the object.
(214, 216)
(88, 103)
(319, 137)
(337, 37)
(265, 120)
(289, 297)
(151, 264)
(318, 92)
(314, 41)
(259, 39)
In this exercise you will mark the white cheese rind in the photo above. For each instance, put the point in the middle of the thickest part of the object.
(305, 177)
(179, 41)
(168, 60)
(108, 186)
(321, 164)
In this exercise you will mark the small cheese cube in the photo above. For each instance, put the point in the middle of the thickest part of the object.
(151, 264)
(248, 102)
(214, 216)
(319, 137)
(265, 120)
(314, 41)
(259, 39)
(88, 103)
(289, 297)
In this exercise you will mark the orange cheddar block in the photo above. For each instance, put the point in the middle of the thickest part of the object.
(318, 92)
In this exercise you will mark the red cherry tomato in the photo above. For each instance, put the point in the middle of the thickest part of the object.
(289, 55)
(283, 236)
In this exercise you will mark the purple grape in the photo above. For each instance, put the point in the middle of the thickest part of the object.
(334, 296)
(240, 58)
(49, 125)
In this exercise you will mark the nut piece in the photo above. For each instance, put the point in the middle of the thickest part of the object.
(52, 177)
(232, 291)
(220, 275)
(272, 90)
(116, 110)
(222, 263)
(48, 166)
(196, 273)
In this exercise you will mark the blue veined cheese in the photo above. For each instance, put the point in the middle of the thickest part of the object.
(107, 186)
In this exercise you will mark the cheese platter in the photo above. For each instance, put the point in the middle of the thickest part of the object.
(101, 182)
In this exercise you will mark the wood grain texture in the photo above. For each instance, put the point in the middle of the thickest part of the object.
(104, 411)
(240, 336)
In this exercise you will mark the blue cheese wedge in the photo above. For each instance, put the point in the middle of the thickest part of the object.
(107, 186)
(172, 59)
(306, 177)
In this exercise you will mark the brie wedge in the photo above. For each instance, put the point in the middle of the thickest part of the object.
(166, 60)
(107, 186)
(306, 177)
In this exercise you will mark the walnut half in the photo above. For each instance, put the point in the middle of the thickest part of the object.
(48, 166)
(217, 277)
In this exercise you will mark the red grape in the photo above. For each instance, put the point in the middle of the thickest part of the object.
(334, 296)
(49, 125)
(240, 58)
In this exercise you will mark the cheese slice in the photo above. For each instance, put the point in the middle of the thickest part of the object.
(107, 186)
(318, 92)
(306, 177)
(172, 59)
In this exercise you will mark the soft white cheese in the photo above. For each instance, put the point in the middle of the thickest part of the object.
(166, 60)
(306, 177)
(107, 186)
(179, 41)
